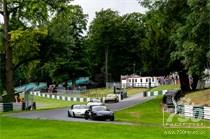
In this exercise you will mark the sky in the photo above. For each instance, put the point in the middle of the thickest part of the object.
(122, 6)
(92, 6)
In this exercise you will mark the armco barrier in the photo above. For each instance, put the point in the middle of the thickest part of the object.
(5, 107)
(155, 93)
(206, 112)
(201, 112)
(59, 97)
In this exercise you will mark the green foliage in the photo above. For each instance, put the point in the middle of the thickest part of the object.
(192, 38)
(47, 42)
(148, 118)
(120, 36)
(26, 43)
(66, 53)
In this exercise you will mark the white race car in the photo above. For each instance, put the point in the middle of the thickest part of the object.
(77, 110)
(94, 102)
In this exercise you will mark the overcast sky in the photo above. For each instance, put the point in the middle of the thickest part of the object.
(122, 6)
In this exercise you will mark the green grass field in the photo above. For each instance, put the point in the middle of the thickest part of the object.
(147, 118)
(166, 87)
(43, 129)
(45, 103)
(102, 92)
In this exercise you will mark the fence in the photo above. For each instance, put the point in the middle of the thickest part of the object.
(155, 93)
(113, 84)
(68, 98)
(60, 97)
(5, 107)
(146, 85)
(200, 112)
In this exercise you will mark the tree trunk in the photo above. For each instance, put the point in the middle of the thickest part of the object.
(106, 65)
(195, 82)
(73, 84)
(184, 81)
(8, 56)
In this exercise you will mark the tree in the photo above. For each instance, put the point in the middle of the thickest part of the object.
(114, 44)
(192, 40)
(101, 37)
(66, 52)
(17, 13)
(53, 52)
(2, 77)
(185, 24)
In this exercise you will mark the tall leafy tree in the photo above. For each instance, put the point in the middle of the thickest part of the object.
(101, 37)
(192, 39)
(186, 23)
(66, 51)
(53, 52)
(113, 38)
(18, 13)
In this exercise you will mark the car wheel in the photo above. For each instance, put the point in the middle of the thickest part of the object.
(86, 117)
(92, 117)
(74, 115)
(112, 118)
(69, 115)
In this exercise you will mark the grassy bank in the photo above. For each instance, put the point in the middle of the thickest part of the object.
(166, 87)
(11, 128)
(100, 92)
(147, 116)
(201, 97)
(46, 103)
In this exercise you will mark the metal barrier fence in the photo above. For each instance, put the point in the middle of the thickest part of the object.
(155, 93)
(100, 97)
(113, 84)
(200, 112)
(61, 97)
(5, 107)
(146, 85)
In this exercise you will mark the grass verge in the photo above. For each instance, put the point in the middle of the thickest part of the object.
(47, 103)
(201, 97)
(11, 128)
(148, 113)
(102, 92)
(166, 87)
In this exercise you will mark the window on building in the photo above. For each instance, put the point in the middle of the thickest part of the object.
(136, 80)
(132, 80)
(153, 79)
(146, 80)
(141, 80)
(129, 80)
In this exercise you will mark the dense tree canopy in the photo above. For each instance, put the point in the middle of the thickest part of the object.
(47, 41)
(119, 36)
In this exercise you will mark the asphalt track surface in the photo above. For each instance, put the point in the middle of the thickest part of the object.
(61, 113)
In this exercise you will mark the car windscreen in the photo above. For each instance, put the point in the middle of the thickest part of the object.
(99, 108)
(80, 107)
(111, 95)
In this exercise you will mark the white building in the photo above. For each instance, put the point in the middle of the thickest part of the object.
(138, 81)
